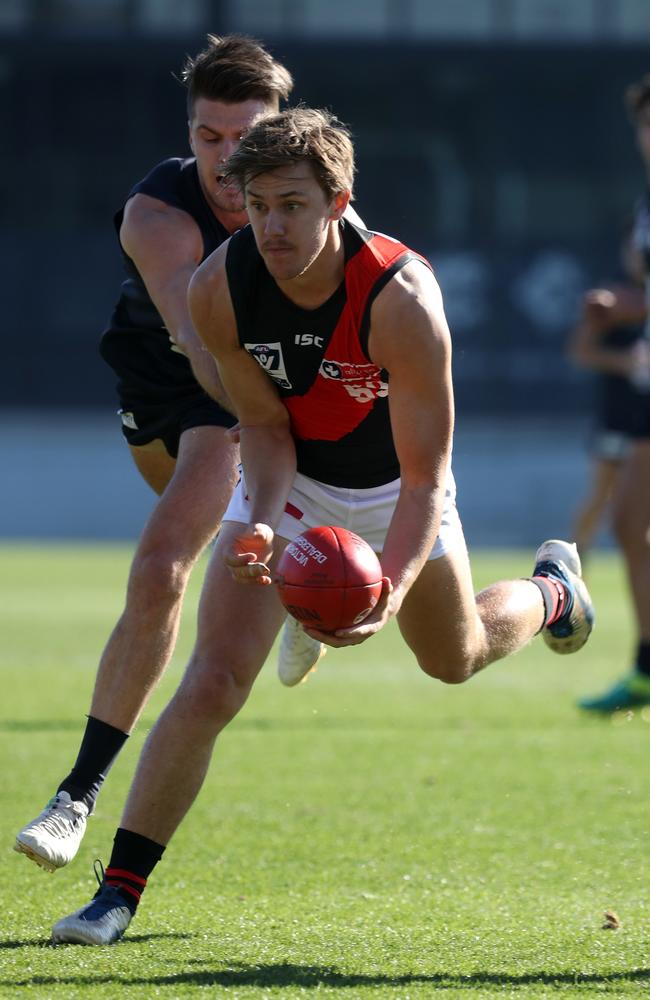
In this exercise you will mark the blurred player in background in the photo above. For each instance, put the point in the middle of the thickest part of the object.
(610, 325)
(333, 345)
(175, 415)
(631, 501)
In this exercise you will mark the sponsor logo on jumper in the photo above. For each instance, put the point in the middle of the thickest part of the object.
(270, 358)
(307, 340)
(360, 381)
(302, 551)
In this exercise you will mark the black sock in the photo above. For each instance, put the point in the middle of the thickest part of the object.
(100, 746)
(133, 859)
(643, 658)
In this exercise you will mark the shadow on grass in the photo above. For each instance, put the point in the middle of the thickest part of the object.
(287, 975)
(9, 945)
(39, 725)
(309, 724)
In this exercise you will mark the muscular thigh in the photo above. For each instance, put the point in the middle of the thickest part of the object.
(192, 504)
(237, 622)
(154, 463)
(439, 612)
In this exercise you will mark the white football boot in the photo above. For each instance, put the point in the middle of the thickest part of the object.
(101, 921)
(53, 838)
(298, 654)
(559, 559)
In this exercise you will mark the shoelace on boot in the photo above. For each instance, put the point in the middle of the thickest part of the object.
(60, 815)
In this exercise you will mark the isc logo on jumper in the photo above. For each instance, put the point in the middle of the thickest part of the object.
(307, 340)
(269, 357)
(362, 382)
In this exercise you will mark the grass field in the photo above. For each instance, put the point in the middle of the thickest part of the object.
(369, 834)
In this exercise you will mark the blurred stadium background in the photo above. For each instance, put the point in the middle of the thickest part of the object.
(490, 136)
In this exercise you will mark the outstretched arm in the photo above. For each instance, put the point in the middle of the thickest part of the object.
(409, 337)
(267, 448)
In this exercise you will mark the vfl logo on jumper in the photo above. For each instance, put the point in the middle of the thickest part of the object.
(269, 357)
(360, 381)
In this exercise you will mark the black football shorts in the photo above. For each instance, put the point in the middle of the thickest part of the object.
(158, 394)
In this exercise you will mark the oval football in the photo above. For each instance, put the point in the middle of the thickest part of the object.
(329, 578)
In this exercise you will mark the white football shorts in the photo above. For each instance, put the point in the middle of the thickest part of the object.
(366, 512)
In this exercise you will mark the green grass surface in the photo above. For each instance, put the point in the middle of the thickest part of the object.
(370, 834)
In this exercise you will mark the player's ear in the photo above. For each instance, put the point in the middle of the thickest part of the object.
(190, 137)
(339, 203)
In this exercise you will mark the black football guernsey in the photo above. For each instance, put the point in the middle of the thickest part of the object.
(136, 326)
(318, 358)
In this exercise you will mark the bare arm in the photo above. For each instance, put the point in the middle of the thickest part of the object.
(410, 339)
(166, 246)
(267, 447)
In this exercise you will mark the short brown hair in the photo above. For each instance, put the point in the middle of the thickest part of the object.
(235, 68)
(637, 96)
(295, 135)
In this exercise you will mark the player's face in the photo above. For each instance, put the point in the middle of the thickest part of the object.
(291, 218)
(643, 133)
(216, 129)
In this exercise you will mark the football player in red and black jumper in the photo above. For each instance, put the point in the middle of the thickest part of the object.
(333, 345)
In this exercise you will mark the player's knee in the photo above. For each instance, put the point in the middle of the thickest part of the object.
(450, 670)
(214, 693)
(159, 576)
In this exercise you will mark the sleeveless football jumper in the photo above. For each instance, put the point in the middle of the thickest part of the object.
(318, 358)
(159, 395)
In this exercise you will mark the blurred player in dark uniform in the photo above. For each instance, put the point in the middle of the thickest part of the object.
(333, 345)
(174, 412)
(610, 325)
(631, 501)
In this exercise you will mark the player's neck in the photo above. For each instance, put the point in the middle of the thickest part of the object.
(231, 221)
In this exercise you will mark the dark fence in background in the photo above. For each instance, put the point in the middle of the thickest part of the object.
(513, 169)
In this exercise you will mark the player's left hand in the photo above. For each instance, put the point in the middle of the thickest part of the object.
(249, 557)
(380, 614)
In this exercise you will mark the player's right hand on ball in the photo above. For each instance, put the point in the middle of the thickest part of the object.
(249, 557)
(372, 623)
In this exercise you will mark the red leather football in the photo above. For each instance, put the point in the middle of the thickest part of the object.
(329, 578)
